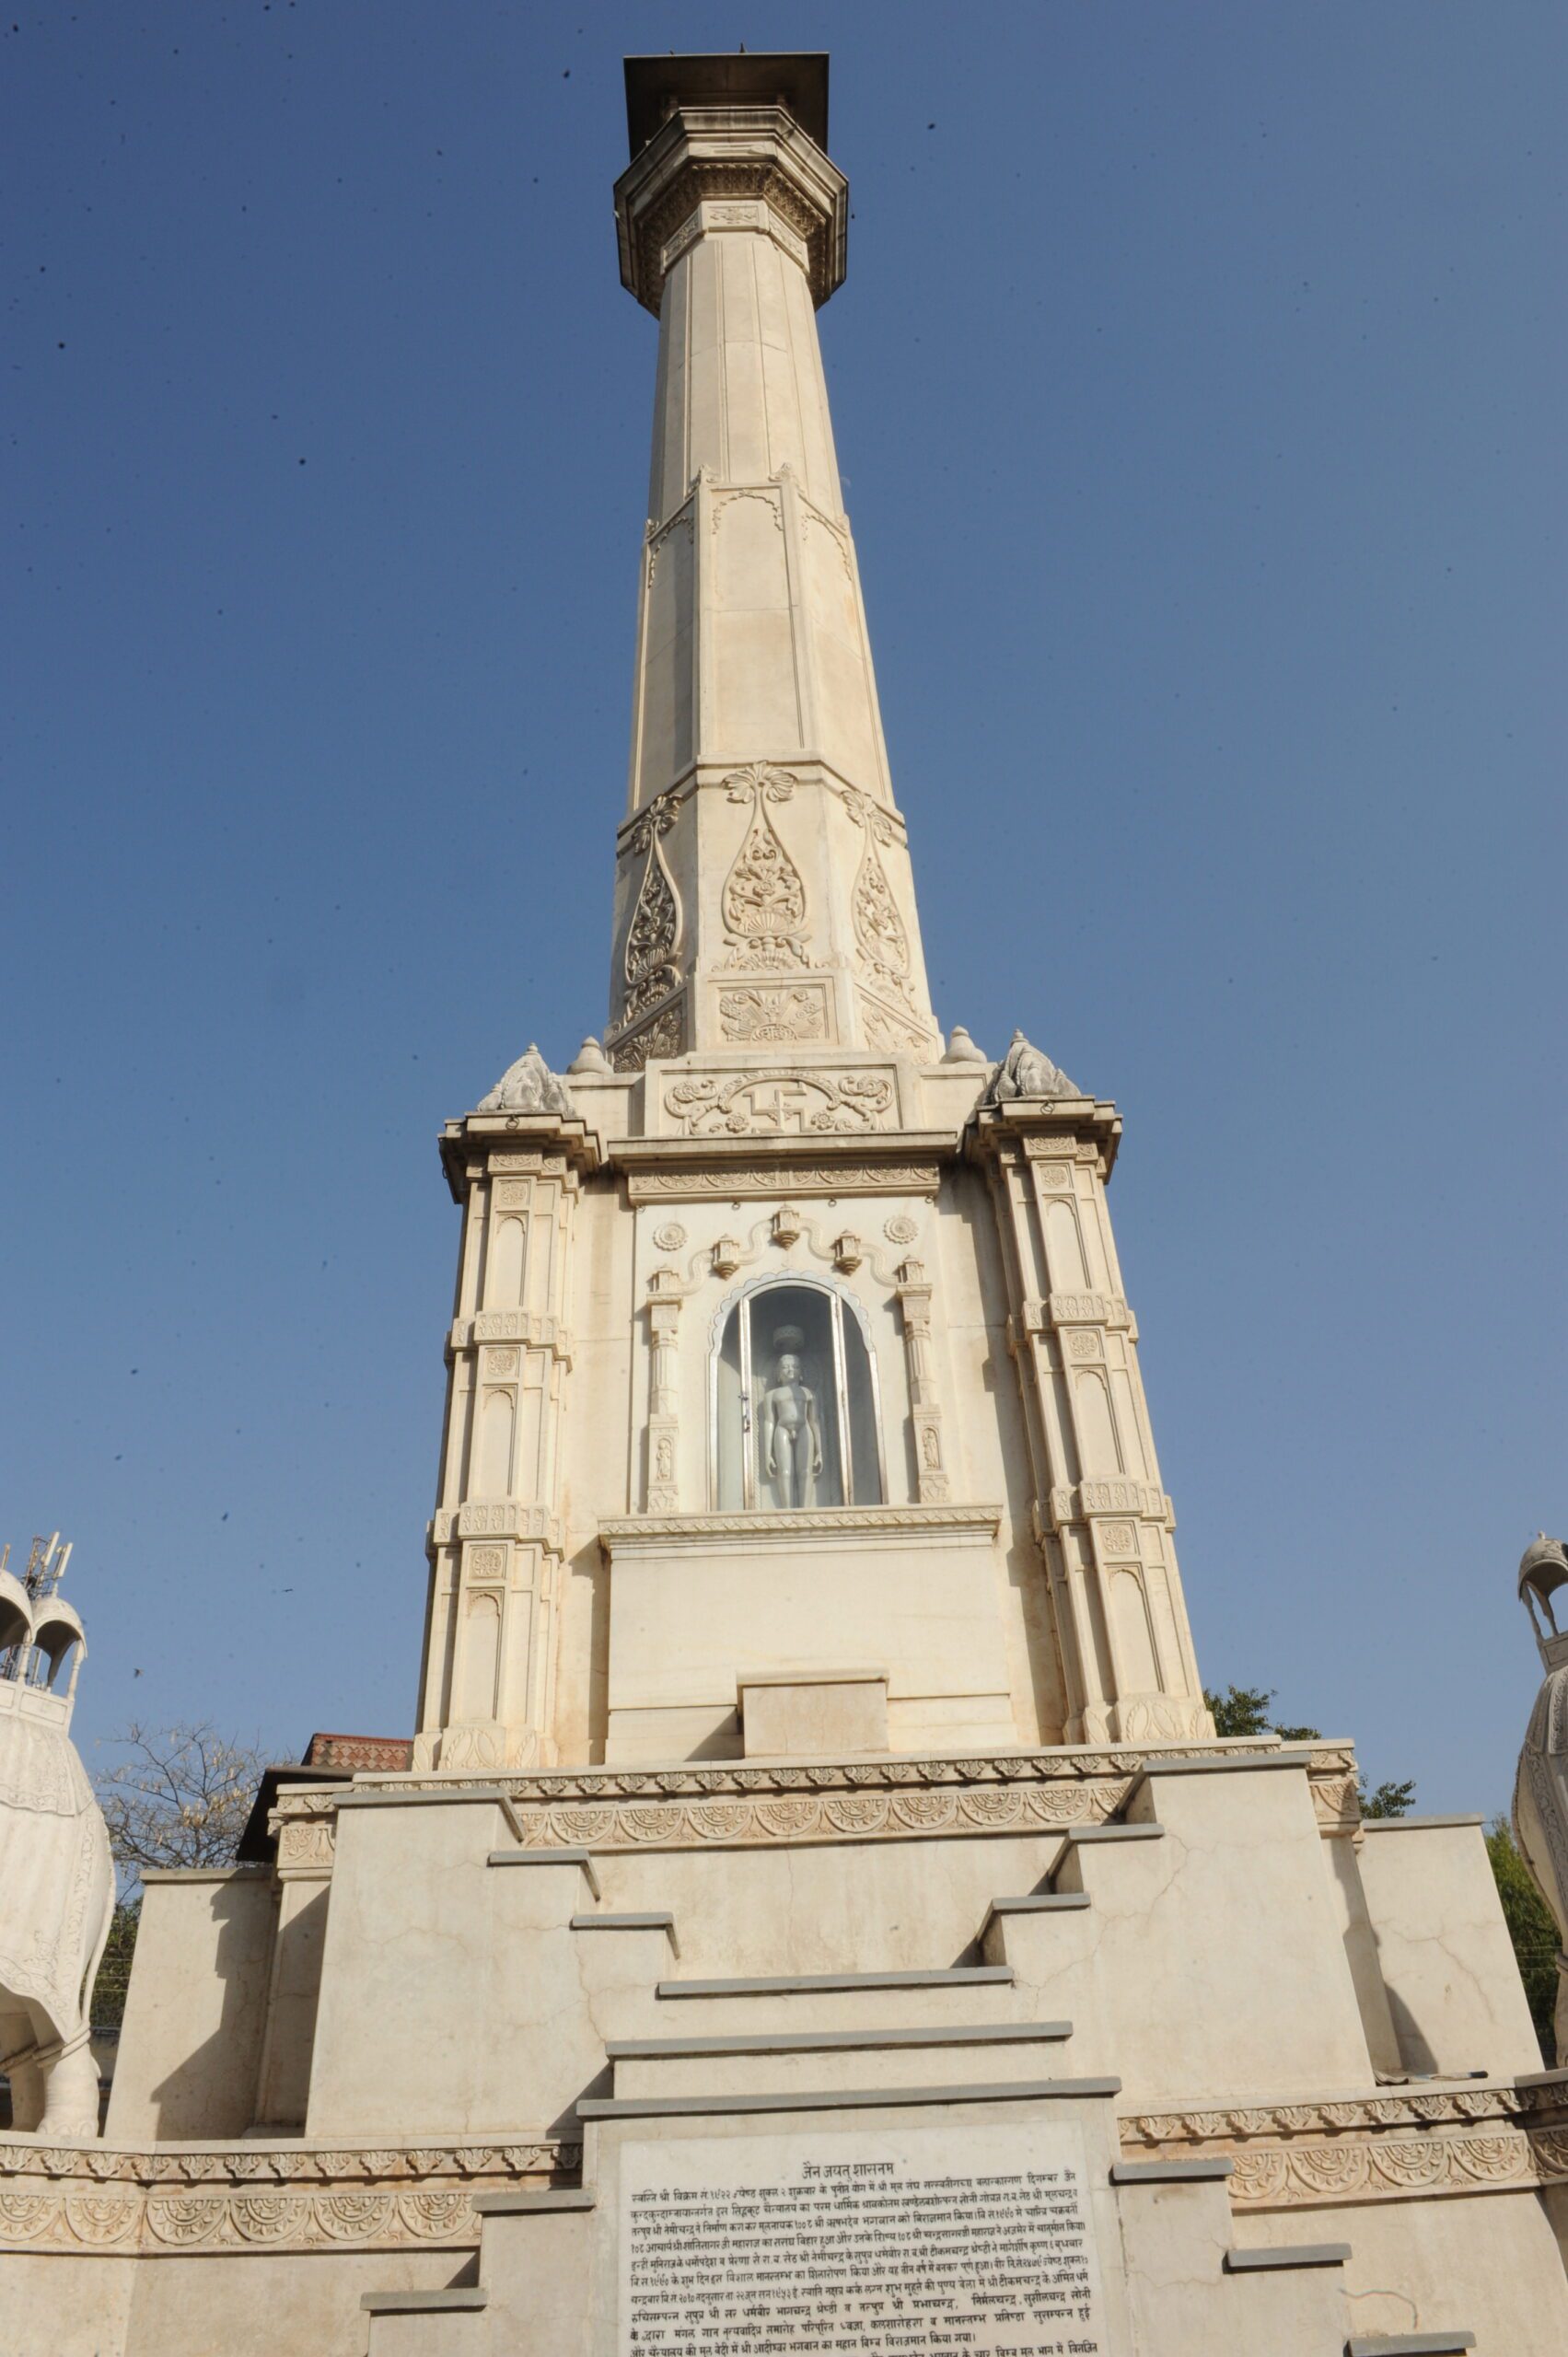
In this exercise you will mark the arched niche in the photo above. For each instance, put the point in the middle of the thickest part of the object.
(795, 1400)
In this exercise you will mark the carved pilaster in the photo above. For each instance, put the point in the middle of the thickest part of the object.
(926, 1409)
(662, 1488)
(1102, 1520)
(494, 1542)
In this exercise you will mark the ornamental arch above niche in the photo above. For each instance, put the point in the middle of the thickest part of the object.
(795, 1400)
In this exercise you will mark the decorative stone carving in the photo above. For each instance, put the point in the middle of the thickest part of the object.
(879, 927)
(847, 1254)
(652, 941)
(885, 1029)
(901, 1228)
(787, 1225)
(795, 1101)
(1026, 1072)
(773, 1014)
(291, 2197)
(752, 1178)
(914, 1299)
(1540, 1788)
(590, 1057)
(671, 1236)
(529, 1087)
(659, 540)
(663, 1035)
(763, 902)
(726, 1257)
(664, 1320)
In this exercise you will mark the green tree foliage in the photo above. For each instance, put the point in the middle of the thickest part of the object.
(115, 1973)
(1531, 1928)
(1244, 1710)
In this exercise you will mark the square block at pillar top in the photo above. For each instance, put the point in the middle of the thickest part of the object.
(839, 1714)
(196, 2007)
(470, 1974)
(1221, 1966)
(1443, 1948)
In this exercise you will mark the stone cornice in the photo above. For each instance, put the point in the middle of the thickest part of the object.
(719, 154)
(770, 1163)
(643, 1532)
(1037, 1126)
(744, 1804)
(482, 1143)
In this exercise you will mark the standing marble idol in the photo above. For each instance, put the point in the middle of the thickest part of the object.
(791, 1438)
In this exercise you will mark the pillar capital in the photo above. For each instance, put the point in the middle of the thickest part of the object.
(727, 145)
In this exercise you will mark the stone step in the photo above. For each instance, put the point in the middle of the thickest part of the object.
(840, 2001)
(782, 2059)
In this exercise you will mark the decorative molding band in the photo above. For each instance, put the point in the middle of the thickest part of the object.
(1075, 1310)
(696, 1170)
(844, 1817)
(710, 218)
(1386, 2146)
(534, 1525)
(1356, 2169)
(809, 770)
(892, 1522)
(1084, 1499)
(95, 2198)
(535, 1330)
(733, 1804)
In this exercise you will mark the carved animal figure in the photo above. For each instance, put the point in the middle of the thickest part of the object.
(56, 1874)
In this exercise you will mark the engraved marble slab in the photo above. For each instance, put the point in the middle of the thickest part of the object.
(951, 2242)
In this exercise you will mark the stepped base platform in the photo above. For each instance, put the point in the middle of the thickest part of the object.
(1048, 2050)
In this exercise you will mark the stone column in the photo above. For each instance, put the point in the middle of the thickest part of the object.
(1103, 1521)
(740, 922)
(495, 1543)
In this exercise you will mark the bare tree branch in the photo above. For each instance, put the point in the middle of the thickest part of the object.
(179, 1798)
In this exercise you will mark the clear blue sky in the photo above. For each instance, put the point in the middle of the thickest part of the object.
(1199, 386)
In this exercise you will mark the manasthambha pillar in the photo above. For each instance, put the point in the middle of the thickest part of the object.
(788, 1345)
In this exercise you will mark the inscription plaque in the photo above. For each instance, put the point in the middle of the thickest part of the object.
(962, 2241)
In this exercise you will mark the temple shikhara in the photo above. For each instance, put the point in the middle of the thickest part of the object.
(814, 1912)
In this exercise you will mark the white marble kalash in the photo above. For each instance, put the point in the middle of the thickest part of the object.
(813, 1787)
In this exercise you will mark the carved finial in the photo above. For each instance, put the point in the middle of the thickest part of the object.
(590, 1057)
(529, 1087)
(1026, 1072)
(961, 1049)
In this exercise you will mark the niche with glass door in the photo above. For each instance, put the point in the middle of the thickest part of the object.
(797, 1414)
